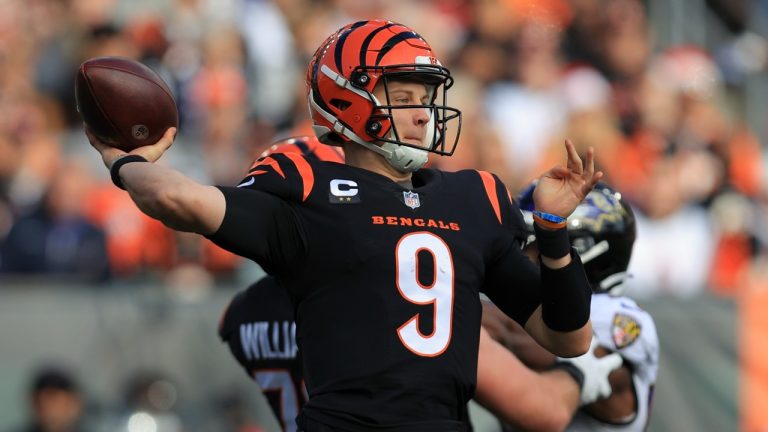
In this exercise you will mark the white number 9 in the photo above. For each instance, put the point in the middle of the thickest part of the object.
(439, 294)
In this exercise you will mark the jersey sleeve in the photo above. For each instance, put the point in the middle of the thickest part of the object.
(512, 279)
(262, 227)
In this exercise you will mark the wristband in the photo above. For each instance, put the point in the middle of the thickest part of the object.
(552, 243)
(549, 220)
(114, 170)
(571, 370)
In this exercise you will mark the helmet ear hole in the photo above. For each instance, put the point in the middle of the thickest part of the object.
(340, 104)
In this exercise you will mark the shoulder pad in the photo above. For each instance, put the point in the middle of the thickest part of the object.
(288, 175)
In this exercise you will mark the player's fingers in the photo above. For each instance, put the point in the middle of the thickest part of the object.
(558, 172)
(588, 186)
(574, 161)
(108, 153)
(154, 151)
(589, 164)
(167, 140)
(93, 139)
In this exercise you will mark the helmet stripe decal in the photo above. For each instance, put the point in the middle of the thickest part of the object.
(315, 90)
(367, 41)
(340, 44)
(394, 40)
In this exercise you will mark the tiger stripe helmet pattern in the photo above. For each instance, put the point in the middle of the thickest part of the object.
(346, 69)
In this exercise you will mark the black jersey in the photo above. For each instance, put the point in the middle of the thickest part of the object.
(259, 328)
(385, 282)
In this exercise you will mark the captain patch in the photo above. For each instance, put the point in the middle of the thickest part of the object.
(625, 330)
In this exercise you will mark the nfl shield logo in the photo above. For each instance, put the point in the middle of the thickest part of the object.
(411, 199)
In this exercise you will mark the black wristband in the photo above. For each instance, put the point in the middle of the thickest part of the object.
(572, 370)
(565, 296)
(552, 244)
(114, 170)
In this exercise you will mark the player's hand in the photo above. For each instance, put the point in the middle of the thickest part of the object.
(595, 370)
(560, 190)
(150, 152)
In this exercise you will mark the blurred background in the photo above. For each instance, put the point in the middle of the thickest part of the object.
(107, 316)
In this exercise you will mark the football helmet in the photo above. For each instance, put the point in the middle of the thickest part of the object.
(342, 76)
(601, 229)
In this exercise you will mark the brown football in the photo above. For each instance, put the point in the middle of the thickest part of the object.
(125, 103)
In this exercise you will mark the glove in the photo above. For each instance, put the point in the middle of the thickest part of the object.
(595, 384)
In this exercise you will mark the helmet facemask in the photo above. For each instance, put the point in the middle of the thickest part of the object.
(441, 136)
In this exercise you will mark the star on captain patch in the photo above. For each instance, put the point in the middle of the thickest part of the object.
(625, 330)
(411, 199)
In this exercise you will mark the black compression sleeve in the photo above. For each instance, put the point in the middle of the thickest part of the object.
(552, 244)
(566, 296)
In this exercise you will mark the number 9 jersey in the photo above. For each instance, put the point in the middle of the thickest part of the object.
(384, 281)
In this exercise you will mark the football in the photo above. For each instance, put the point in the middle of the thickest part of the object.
(124, 102)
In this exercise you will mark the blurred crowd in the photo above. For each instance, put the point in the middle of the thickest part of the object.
(668, 122)
(57, 401)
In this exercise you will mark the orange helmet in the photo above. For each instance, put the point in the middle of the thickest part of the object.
(341, 79)
(308, 146)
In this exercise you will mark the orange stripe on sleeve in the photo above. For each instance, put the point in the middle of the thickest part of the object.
(268, 161)
(490, 189)
(305, 170)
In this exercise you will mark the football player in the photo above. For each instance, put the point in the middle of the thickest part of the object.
(259, 328)
(602, 230)
(384, 261)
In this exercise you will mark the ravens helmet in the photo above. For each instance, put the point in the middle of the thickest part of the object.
(601, 229)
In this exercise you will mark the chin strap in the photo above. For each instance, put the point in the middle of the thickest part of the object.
(404, 158)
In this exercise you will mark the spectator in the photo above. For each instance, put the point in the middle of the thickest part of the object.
(56, 402)
(56, 238)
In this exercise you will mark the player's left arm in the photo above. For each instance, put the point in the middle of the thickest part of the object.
(513, 337)
(552, 301)
(520, 396)
(552, 305)
(561, 324)
(562, 343)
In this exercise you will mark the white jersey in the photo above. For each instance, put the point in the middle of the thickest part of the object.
(621, 326)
